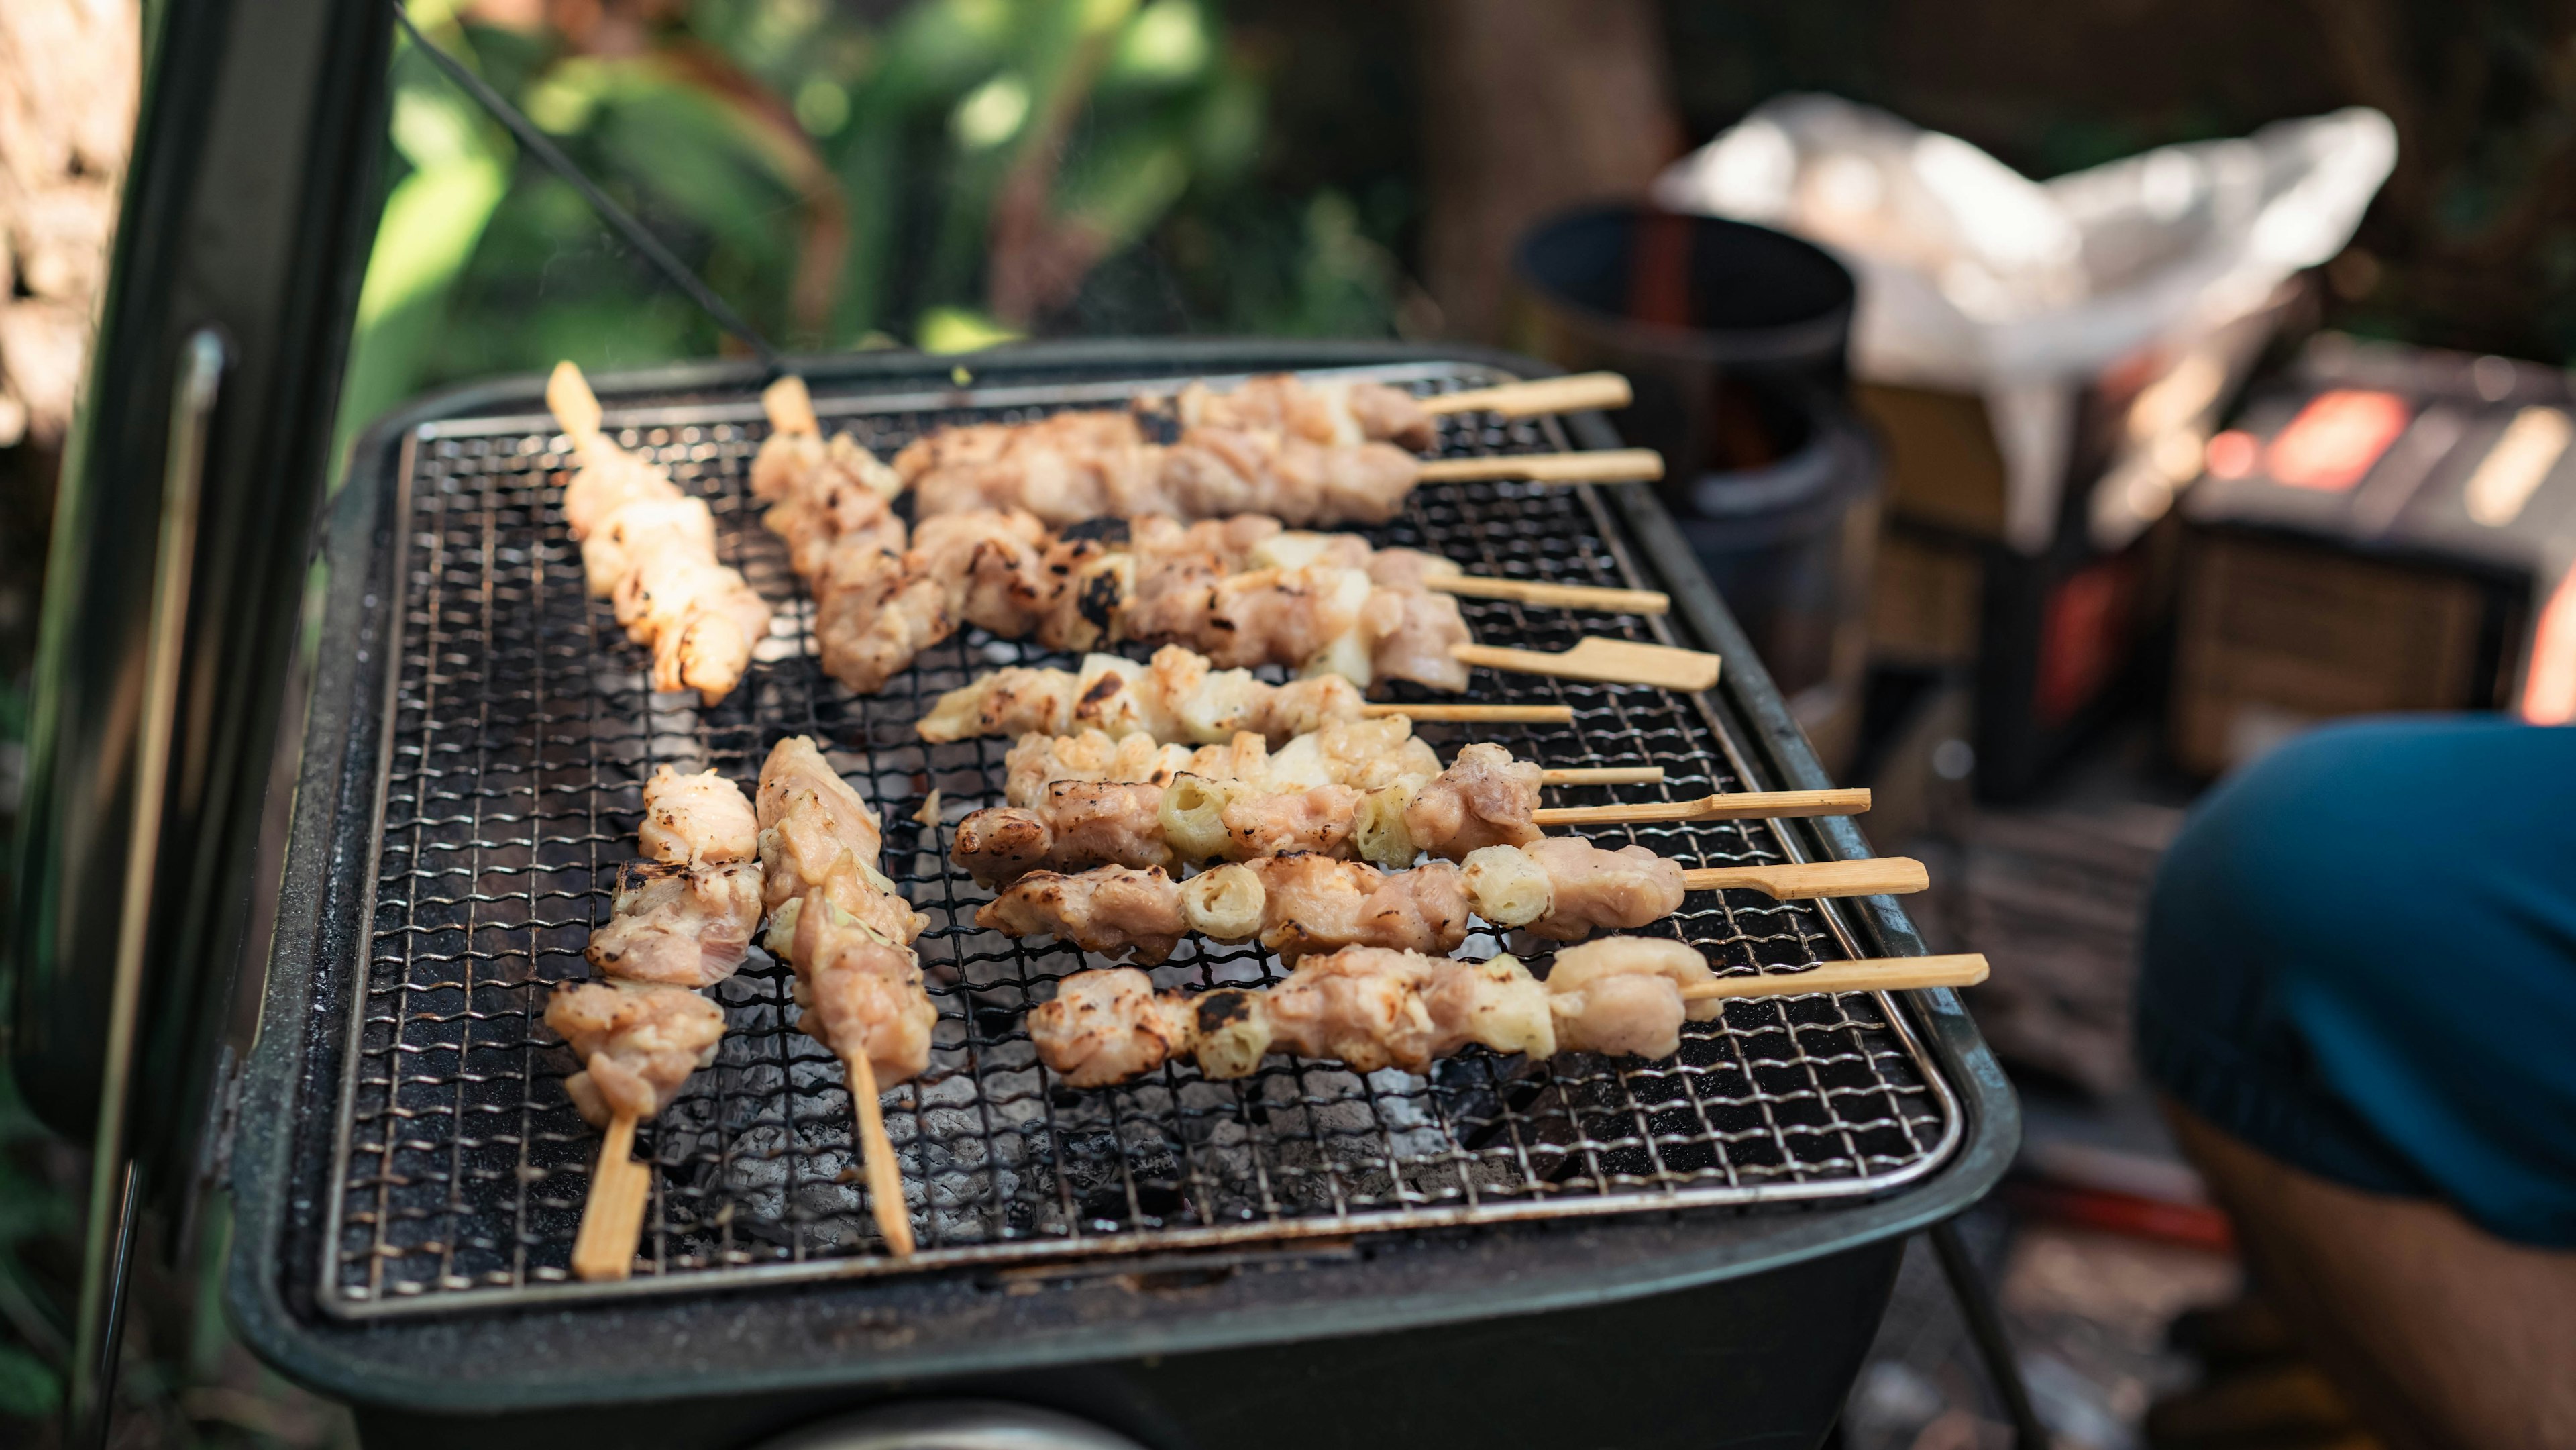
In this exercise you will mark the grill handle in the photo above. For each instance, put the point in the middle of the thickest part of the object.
(106, 1249)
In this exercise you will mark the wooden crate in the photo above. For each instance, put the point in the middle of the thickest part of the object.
(2277, 634)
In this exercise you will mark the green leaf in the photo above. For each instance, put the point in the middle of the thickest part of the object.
(28, 1390)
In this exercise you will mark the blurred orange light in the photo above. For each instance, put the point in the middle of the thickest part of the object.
(2231, 454)
(2336, 438)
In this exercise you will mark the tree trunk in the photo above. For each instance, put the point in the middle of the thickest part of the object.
(1529, 107)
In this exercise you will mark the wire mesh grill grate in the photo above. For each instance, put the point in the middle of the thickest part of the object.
(521, 730)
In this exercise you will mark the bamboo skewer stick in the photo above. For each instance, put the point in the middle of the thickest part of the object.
(1476, 714)
(1870, 974)
(790, 406)
(613, 1217)
(1602, 775)
(1570, 394)
(1806, 880)
(885, 1180)
(1554, 596)
(1740, 806)
(1586, 465)
(1603, 660)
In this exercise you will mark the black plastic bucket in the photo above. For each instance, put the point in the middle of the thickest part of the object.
(1696, 311)
(1734, 338)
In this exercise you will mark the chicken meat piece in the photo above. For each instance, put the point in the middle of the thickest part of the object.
(1411, 635)
(840, 503)
(681, 927)
(696, 820)
(1080, 824)
(1016, 701)
(1591, 888)
(643, 529)
(1484, 798)
(1314, 903)
(1366, 1007)
(873, 630)
(1326, 411)
(796, 770)
(611, 479)
(1320, 818)
(1108, 1026)
(1118, 912)
(1621, 996)
(987, 563)
(1215, 471)
(1365, 755)
(1371, 1008)
(1237, 541)
(860, 992)
(1179, 698)
(637, 1041)
(1294, 617)
(817, 835)
(1065, 469)
(1039, 761)
(1362, 754)
(701, 619)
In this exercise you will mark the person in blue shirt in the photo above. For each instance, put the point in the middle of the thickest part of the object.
(2358, 996)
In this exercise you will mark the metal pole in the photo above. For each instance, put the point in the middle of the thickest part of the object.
(1986, 1327)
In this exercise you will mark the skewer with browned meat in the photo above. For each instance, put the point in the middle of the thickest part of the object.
(1556, 887)
(1363, 754)
(826, 498)
(1370, 1008)
(1180, 698)
(1483, 798)
(684, 915)
(882, 599)
(651, 549)
(1335, 410)
(1308, 453)
(839, 922)
(682, 921)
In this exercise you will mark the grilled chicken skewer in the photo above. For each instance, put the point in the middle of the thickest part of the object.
(840, 923)
(1557, 887)
(651, 549)
(1371, 1008)
(1483, 798)
(1179, 698)
(1365, 755)
(1239, 588)
(682, 921)
(1305, 453)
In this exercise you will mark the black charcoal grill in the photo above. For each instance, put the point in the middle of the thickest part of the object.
(1640, 1254)
(411, 1173)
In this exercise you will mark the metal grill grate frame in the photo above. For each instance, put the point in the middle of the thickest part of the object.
(518, 733)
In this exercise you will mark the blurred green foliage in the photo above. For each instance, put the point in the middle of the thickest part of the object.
(944, 173)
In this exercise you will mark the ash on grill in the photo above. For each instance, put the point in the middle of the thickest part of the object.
(520, 733)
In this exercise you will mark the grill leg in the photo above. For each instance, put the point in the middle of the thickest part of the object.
(1986, 1327)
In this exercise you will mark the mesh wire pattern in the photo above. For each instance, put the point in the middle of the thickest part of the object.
(521, 729)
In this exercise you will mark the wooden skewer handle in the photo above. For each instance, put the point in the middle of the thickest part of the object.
(1871, 974)
(1603, 775)
(1598, 465)
(885, 1179)
(575, 406)
(613, 1218)
(1477, 714)
(1554, 596)
(1740, 806)
(1805, 880)
(790, 406)
(1607, 661)
(1539, 395)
